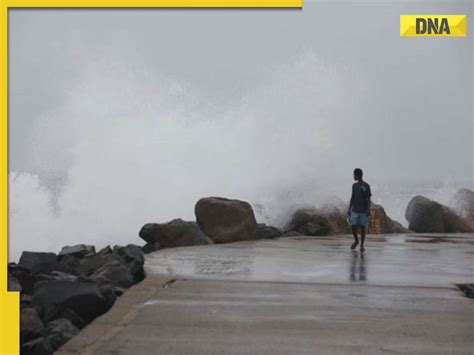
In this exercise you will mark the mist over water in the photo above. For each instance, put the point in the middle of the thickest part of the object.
(129, 144)
(141, 148)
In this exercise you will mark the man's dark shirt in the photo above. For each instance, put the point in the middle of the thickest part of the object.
(360, 197)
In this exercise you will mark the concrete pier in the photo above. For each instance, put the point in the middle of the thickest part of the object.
(299, 295)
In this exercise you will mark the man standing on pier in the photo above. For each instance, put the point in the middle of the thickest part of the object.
(359, 208)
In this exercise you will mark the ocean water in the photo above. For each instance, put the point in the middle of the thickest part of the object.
(41, 219)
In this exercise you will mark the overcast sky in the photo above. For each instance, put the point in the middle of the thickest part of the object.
(417, 102)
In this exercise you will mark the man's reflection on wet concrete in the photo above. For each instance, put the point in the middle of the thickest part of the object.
(358, 270)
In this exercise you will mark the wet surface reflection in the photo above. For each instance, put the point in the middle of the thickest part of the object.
(224, 266)
(392, 260)
(358, 268)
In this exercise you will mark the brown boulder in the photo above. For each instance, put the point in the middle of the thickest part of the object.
(225, 220)
(427, 216)
(332, 220)
(380, 223)
(320, 221)
(176, 233)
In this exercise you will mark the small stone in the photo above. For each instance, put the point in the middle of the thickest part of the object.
(79, 250)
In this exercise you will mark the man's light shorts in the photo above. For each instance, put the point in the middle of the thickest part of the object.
(359, 219)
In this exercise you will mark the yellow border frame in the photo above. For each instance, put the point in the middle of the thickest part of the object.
(10, 301)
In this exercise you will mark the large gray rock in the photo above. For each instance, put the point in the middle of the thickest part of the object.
(114, 273)
(43, 279)
(14, 284)
(57, 276)
(134, 260)
(70, 264)
(38, 346)
(224, 220)
(176, 233)
(463, 204)
(91, 263)
(23, 276)
(59, 331)
(37, 262)
(74, 318)
(129, 253)
(110, 293)
(427, 216)
(31, 325)
(105, 250)
(84, 298)
(151, 247)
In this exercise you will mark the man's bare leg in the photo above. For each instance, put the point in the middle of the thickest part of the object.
(356, 239)
(362, 238)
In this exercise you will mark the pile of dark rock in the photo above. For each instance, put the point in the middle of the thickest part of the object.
(61, 294)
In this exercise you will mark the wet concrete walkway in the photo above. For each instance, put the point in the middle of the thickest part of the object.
(295, 296)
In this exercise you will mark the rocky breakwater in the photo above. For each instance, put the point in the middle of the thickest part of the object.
(222, 220)
(62, 293)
